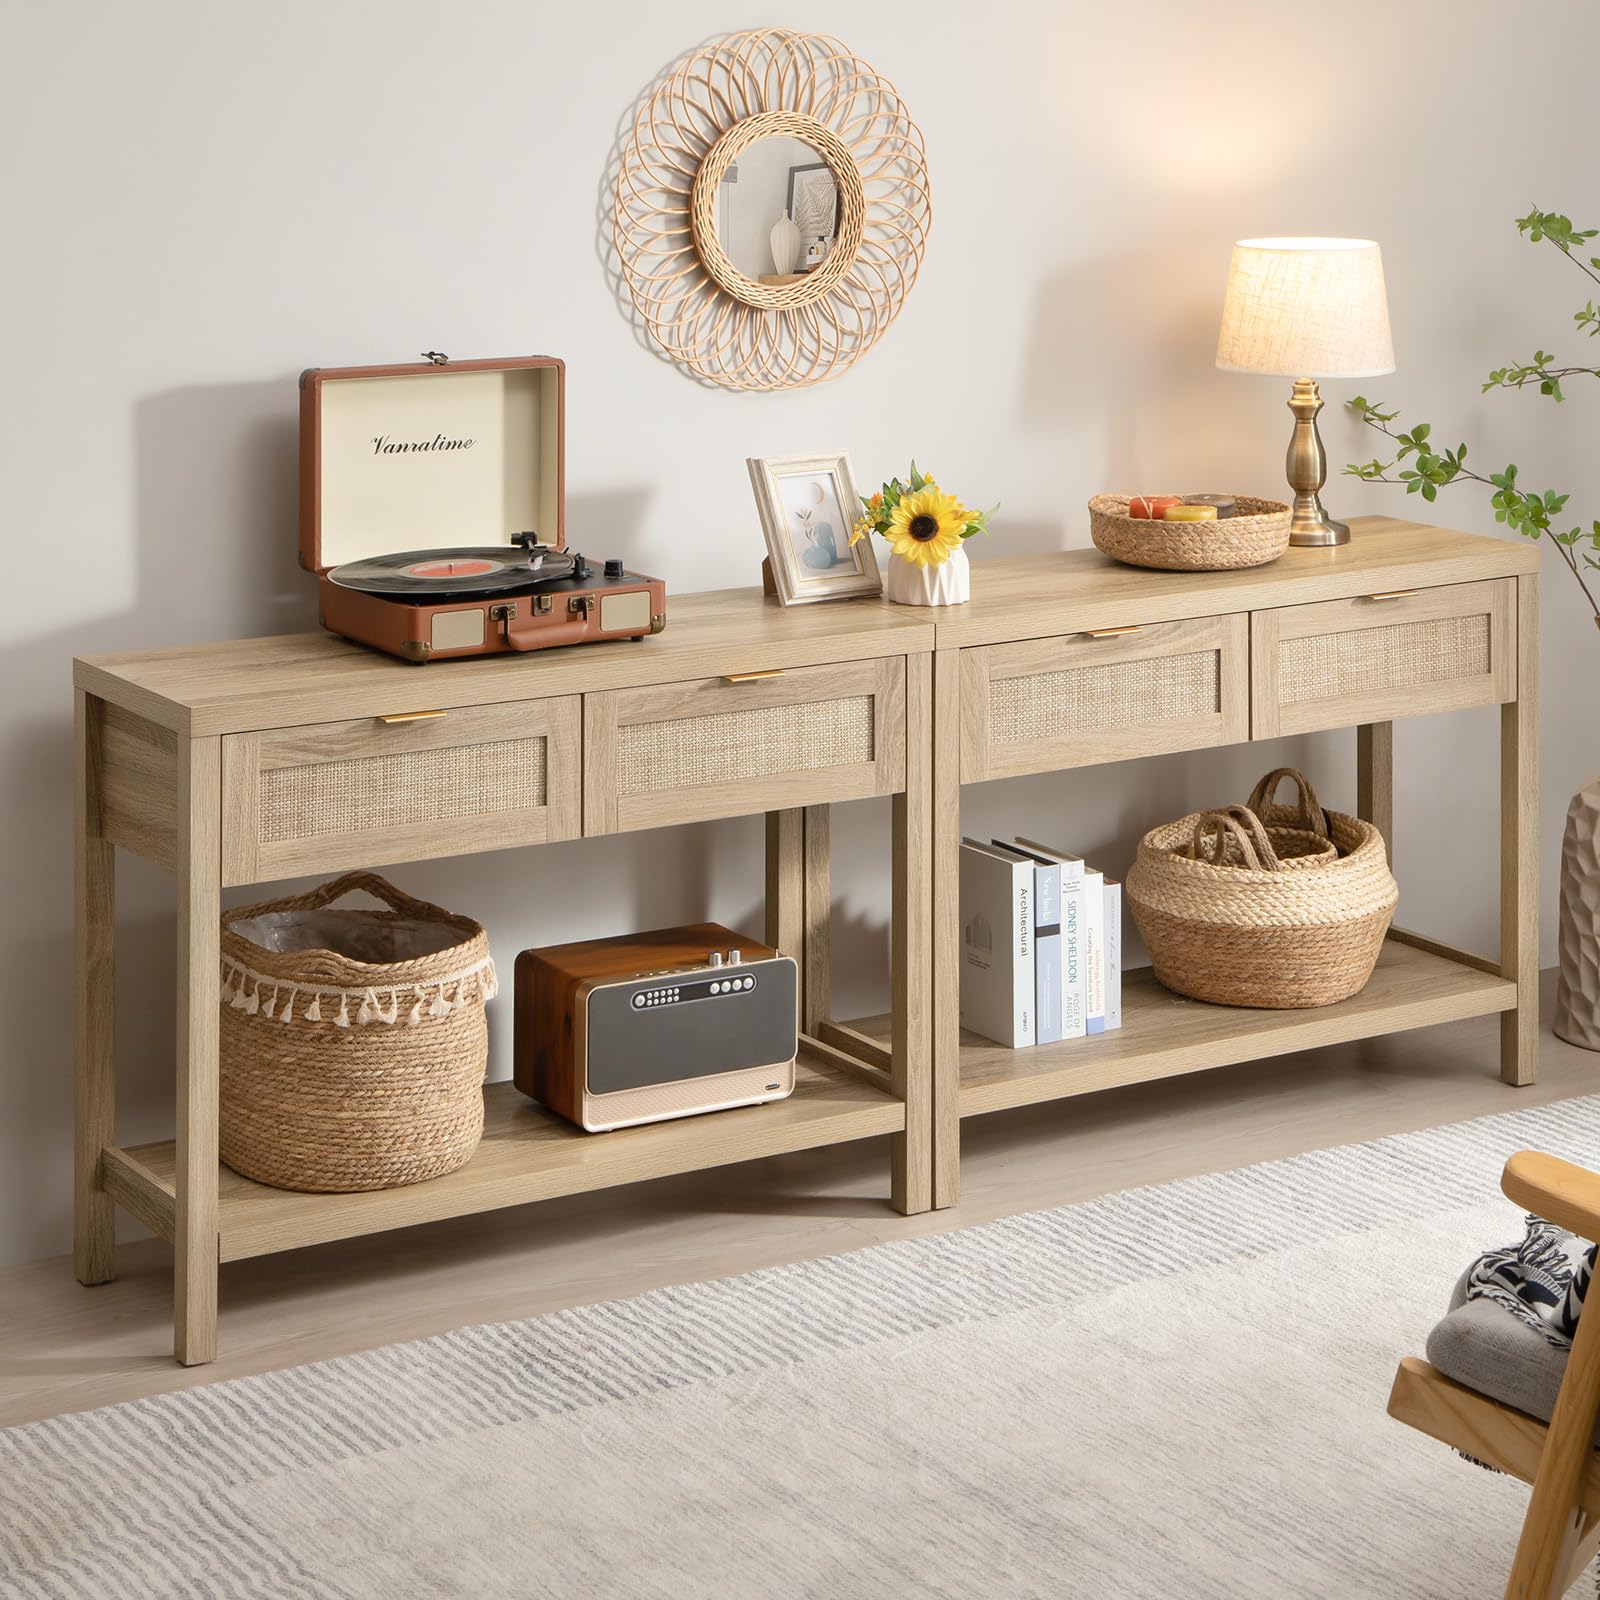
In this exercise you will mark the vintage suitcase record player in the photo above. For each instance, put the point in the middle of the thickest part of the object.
(432, 509)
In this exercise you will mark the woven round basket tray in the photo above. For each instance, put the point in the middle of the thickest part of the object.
(353, 1042)
(1256, 533)
(1229, 919)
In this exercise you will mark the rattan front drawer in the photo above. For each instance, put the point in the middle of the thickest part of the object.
(1397, 653)
(1082, 698)
(761, 741)
(334, 795)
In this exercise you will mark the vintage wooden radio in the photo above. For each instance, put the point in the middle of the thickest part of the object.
(432, 512)
(613, 1032)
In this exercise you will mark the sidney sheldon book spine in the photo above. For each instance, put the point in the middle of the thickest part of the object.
(997, 944)
(1074, 973)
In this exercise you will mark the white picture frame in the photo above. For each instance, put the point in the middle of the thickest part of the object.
(808, 506)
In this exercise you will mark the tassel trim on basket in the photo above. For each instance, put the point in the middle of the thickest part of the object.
(259, 994)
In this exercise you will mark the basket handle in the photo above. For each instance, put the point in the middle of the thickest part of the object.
(1215, 828)
(336, 889)
(1314, 818)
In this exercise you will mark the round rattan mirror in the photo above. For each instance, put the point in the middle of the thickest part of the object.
(771, 209)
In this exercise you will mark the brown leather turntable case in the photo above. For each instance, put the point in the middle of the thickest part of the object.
(436, 456)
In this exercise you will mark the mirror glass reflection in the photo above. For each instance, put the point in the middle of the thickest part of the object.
(778, 211)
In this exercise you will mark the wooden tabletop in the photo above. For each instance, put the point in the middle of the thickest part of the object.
(1032, 597)
(287, 679)
(307, 677)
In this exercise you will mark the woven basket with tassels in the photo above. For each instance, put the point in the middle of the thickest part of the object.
(1264, 905)
(353, 1041)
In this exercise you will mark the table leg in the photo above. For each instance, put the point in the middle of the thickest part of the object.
(946, 856)
(199, 871)
(1375, 779)
(1519, 847)
(815, 1004)
(94, 1247)
(786, 883)
(911, 1069)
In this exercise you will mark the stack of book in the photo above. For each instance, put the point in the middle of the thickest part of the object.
(1041, 944)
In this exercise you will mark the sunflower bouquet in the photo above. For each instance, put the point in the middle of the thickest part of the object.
(922, 523)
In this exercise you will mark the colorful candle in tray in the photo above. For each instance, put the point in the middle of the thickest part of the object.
(1151, 506)
(1187, 513)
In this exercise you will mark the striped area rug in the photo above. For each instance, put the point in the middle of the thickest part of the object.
(1176, 1391)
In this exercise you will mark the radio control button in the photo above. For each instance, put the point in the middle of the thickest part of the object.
(749, 983)
(638, 1001)
(734, 958)
(714, 958)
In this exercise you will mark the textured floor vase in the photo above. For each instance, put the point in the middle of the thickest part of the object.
(1578, 989)
(1176, 1391)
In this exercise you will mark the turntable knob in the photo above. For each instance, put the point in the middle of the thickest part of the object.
(613, 567)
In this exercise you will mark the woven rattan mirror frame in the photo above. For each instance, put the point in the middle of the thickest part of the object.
(723, 326)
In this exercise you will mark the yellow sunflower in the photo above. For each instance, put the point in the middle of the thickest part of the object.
(925, 528)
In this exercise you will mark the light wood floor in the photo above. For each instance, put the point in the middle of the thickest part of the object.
(67, 1348)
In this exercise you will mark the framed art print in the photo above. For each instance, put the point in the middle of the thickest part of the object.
(808, 506)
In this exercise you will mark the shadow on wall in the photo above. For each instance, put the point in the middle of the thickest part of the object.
(1118, 323)
(214, 556)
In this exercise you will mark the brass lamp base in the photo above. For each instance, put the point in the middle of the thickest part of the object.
(1307, 466)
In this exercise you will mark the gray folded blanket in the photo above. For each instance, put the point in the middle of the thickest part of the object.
(1512, 1317)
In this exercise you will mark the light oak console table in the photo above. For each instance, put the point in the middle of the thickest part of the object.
(213, 760)
(1076, 660)
(222, 763)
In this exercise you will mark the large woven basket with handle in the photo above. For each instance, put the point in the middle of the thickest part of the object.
(1230, 917)
(353, 1041)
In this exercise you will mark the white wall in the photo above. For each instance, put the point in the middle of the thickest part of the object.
(201, 200)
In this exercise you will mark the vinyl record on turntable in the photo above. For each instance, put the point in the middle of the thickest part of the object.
(453, 574)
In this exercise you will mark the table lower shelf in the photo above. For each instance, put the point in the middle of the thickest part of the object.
(526, 1155)
(1164, 1035)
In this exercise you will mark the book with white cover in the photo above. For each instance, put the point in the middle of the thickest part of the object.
(1113, 943)
(1074, 974)
(1047, 965)
(1094, 942)
(997, 963)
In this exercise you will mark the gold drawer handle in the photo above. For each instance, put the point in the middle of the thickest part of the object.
(752, 677)
(1112, 633)
(413, 716)
(1394, 594)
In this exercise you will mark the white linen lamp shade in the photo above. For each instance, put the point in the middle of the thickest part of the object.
(1306, 309)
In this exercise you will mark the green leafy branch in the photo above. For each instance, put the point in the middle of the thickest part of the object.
(1425, 469)
(1550, 227)
(1529, 512)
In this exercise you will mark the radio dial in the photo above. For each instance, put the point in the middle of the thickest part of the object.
(714, 958)
(734, 958)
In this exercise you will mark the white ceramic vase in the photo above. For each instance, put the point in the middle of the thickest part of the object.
(948, 584)
(785, 239)
(1578, 992)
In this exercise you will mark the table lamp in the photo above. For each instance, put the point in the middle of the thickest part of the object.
(1306, 309)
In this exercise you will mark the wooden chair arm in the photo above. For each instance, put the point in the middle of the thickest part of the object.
(1554, 1189)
